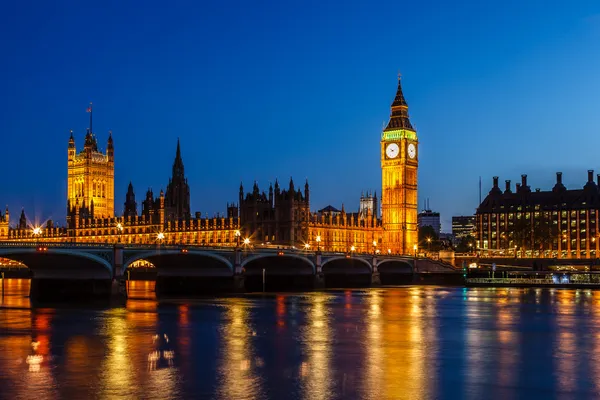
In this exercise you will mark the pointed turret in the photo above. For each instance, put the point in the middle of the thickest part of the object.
(177, 195)
(71, 149)
(88, 140)
(291, 184)
(178, 170)
(22, 220)
(130, 203)
(255, 191)
(399, 117)
(306, 190)
(110, 149)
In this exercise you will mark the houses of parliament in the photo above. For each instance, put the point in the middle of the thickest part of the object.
(279, 216)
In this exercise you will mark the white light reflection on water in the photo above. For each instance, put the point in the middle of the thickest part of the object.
(565, 348)
(507, 339)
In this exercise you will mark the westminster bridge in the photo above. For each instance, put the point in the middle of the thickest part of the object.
(92, 269)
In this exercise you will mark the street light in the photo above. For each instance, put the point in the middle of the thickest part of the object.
(429, 244)
(247, 241)
(306, 246)
(415, 249)
(238, 234)
(160, 236)
(318, 238)
(352, 249)
(374, 246)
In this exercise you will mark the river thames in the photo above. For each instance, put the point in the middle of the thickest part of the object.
(417, 342)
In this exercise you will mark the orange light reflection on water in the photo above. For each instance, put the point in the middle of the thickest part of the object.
(236, 376)
(315, 370)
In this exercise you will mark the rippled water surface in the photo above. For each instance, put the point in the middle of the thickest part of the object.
(392, 343)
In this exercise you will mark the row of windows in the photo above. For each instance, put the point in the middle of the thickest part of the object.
(546, 214)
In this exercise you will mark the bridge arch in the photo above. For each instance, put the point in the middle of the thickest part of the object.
(356, 262)
(393, 266)
(272, 257)
(60, 263)
(183, 259)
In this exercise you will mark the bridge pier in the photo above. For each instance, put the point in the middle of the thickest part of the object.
(118, 288)
(319, 280)
(238, 277)
(375, 277)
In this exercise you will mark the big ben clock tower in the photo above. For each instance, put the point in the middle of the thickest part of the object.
(399, 165)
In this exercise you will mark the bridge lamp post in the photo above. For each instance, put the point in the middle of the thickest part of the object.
(352, 249)
(37, 231)
(238, 234)
(390, 251)
(247, 241)
(415, 249)
(120, 230)
(306, 246)
(429, 244)
(374, 247)
(318, 239)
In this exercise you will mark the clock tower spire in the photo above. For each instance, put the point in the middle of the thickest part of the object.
(399, 165)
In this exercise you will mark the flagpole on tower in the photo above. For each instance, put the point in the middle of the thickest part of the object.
(90, 111)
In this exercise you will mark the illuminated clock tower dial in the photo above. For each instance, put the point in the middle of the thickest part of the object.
(412, 151)
(392, 150)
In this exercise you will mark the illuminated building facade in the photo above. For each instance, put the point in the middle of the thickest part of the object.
(281, 217)
(558, 223)
(91, 177)
(463, 226)
(399, 165)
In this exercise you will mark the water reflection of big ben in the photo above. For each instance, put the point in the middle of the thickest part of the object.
(399, 165)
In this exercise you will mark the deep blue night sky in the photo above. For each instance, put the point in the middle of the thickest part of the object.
(258, 90)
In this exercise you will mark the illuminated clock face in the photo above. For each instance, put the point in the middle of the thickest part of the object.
(392, 150)
(412, 150)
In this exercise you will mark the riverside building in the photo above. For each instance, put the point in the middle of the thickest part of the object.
(556, 223)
